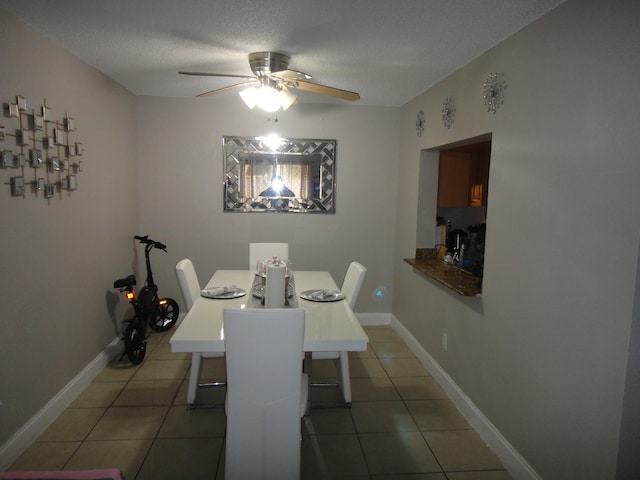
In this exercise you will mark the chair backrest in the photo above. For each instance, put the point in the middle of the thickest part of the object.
(352, 282)
(264, 251)
(188, 281)
(263, 351)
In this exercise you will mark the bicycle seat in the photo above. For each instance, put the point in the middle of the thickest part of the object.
(125, 282)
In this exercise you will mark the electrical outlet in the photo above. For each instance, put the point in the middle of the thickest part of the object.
(444, 341)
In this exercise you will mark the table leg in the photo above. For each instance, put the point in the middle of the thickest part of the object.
(307, 369)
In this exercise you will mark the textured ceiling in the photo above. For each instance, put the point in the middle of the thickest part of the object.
(387, 50)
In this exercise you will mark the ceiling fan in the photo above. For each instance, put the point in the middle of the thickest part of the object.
(270, 84)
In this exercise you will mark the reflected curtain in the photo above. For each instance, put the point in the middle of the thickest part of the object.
(256, 178)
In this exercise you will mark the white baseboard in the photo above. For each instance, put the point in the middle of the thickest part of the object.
(517, 466)
(23, 438)
(374, 318)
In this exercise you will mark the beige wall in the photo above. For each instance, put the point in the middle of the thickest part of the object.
(59, 257)
(180, 158)
(543, 353)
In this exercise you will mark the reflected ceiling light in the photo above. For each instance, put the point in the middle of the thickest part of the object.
(269, 98)
(273, 141)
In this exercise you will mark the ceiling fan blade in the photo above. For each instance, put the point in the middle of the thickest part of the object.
(292, 75)
(202, 74)
(324, 90)
(224, 89)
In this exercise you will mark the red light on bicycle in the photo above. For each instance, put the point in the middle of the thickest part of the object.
(130, 295)
(163, 301)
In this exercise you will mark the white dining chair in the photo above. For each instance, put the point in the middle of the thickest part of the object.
(266, 392)
(265, 251)
(351, 288)
(190, 288)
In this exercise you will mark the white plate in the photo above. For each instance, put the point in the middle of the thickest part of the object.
(238, 292)
(319, 295)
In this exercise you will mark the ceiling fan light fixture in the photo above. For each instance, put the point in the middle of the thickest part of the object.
(249, 96)
(267, 98)
(286, 98)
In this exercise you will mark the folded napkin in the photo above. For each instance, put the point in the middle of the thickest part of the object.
(217, 291)
(324, 294)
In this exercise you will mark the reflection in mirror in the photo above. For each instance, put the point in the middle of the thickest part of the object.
(272, 174)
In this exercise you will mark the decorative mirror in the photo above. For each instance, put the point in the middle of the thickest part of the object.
(273, 174)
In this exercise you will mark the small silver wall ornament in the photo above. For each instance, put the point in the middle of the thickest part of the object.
(420, 123)
(493, 91)
(448, 111)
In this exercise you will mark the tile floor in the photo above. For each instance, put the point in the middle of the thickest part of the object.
(400, 425)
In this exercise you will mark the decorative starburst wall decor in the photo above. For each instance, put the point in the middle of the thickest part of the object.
(493, 91)
(448, 111)
(420, 123)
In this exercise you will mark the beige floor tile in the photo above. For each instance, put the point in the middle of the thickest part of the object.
(392, 350)
(162, 370)
(324, 369)
(206, 396)
(156, 338)
(45, 456)
(370, 417)
(127, 455)
(182, 458)
(146, 392)
(366, 367)
(322, 421)
(213, 369)
(373, 388)
(480, 475)
(183, 423)
(369, 353)
(98, 394)
(117, 371)
(461, 450)
(440, 414)
(404, 367)
(73, 424)
(381, 334)
(212, 395)
(398, 453)
(331, 456)
(163, 352)
(326, 396)
(416, 388)
(129, 423)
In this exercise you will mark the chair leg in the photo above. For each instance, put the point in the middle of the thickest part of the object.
(344, 376)
(194, 380)
(194, 377)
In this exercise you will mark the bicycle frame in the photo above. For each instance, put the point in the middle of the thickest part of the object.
(149, 311)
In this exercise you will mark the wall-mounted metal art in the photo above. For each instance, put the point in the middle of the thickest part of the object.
(37, 140)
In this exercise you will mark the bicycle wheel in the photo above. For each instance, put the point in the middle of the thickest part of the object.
(135, 345)
(167, 315)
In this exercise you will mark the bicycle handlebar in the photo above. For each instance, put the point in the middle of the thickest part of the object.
(146, 240)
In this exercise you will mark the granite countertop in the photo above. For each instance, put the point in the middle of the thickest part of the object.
(458, 280)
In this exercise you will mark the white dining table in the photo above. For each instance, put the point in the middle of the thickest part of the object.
(329, 326)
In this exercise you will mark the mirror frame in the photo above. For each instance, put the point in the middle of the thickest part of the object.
(236, 152)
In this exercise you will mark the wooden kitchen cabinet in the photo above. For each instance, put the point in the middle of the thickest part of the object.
(463, 177)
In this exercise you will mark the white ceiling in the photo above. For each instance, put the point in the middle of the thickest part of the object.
(387, 50)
